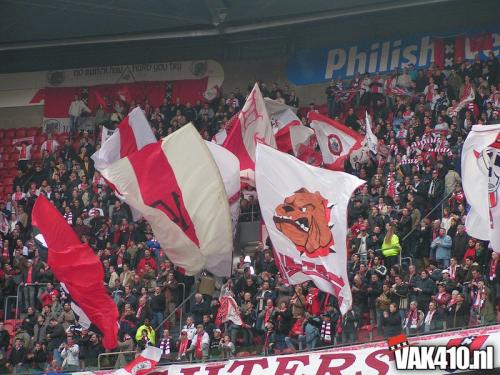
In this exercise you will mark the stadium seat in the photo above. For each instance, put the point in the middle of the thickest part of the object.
(9, 181)
(5, 157)
(31, 132)
(10, 134)
(21, 132)
(39, 139)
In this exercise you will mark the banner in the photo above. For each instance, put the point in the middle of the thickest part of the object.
(305, 211)
(58, 99)
(383, 56)
(363, 359)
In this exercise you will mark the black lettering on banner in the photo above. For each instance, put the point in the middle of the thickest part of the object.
(177, 218)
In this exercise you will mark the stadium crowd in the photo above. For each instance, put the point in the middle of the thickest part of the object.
(412, 208)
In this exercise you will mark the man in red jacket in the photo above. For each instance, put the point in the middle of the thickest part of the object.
(148, 259)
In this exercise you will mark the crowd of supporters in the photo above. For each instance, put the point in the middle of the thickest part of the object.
(412, 266)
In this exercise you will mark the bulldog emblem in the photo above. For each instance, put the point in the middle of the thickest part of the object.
(304, 218)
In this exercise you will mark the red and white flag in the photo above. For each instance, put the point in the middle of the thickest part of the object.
(481, 183)
(228, 311)
(305, 212)
(282, 119)
(229, 168)
(176, 185)
(132, 134)
(251, 127)
(304, 144)
(467, 97)
(143, 363)
(220, 137)
(335, 140)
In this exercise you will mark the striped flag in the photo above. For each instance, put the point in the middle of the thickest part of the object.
(132, 135)
(143, 363)
(336, 141)
(176, 185)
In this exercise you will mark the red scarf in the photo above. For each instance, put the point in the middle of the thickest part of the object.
(412, 318)
(198, 352)
(267, 314)
(183, 346)
(493, 269)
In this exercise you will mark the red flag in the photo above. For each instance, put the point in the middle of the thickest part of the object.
(448, 51)
(482, 42)
(76, 265)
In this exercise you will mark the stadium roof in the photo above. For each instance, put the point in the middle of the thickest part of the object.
(55, 34)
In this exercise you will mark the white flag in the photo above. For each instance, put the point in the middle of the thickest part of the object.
(370, 138)
(305, 212)
(481, 181)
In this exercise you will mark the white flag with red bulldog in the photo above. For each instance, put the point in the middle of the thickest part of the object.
(252, 126)
(336, 141)
(481, 183)
(305, 212)
(176, 185)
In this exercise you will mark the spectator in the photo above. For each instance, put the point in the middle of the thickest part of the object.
(227, 347)
(391, 321)
(433, 319)
(200, 344)
(413, 320)
(70, 354)
(442, 248)
(199, 308)
(166, 346)
(391, 247)
(17, 357)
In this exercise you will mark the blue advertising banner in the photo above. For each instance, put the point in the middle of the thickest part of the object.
(321, 65)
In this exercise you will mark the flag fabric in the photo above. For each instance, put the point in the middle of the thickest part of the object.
(220, 137)
(228, 311)
(449, 51)
(371, 140)
(467, 97)
(251, 127)
(305, 212)
(75, 264)
(481, 182)
(335, 140)
(40, 244)
(132, 134)
(282, 118)
(304, 145)
(397, 342)
(143, 363)
(106, 134)
(176, 185)
(229, 168)
(481, 42)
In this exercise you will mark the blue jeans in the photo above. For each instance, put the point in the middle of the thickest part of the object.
(331, 107)
(157, 319)
(57, 356)
(300, 341)
(73, 124)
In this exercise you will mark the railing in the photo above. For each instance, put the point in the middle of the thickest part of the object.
(181, 307)
(416, 226)
(6, 306)
(18, 296)
(128, 356)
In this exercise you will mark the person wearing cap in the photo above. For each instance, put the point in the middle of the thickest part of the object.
(215, 344)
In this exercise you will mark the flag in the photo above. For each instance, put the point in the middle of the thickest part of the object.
(176, 185)
(40, 244)
(75, 264)
(106, 134)
(143, 363)
(449, 51)
(132, 134)
(229, 168)
(335, 140)
(481, 181)
(397, 342)
(228, 311)
(305, 212)
(371, 140)
(481, 42)
(282, 118)
(467, 97)
(304, 145)
(220, 137)
(251, 127)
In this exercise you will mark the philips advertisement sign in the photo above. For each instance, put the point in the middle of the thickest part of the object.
(320, 65)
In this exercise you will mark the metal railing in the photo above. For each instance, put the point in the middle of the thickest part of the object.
(6, 305)
(104, 356)
(179, 306)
